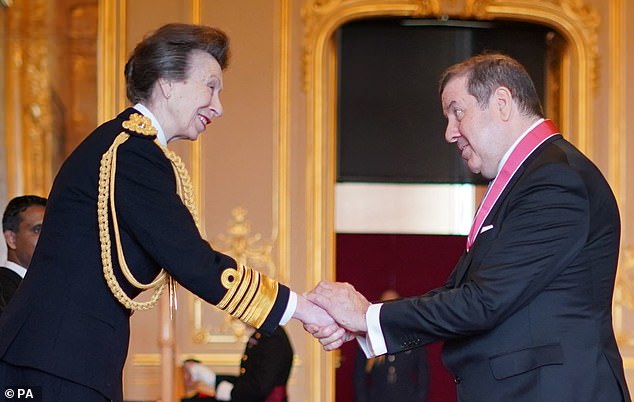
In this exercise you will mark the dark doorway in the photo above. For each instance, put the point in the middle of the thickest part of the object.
(390, 124)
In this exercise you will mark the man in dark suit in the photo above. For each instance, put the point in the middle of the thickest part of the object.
(21, 225)
(526, 315)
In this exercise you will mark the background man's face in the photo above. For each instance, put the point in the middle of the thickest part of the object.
(22, 243)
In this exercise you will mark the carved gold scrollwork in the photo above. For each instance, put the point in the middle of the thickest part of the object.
(247, 249)
(29, 136)
(572, 17)
(321, 17)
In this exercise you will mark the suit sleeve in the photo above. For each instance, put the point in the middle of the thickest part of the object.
(152, 216)
(545, 225)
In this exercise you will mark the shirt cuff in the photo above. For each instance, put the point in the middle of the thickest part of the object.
(290, 308)
(363, 344)
(375, 339)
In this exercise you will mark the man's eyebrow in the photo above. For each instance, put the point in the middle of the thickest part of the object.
(450, 105)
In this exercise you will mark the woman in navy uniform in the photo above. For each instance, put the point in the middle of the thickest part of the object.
(121, 219)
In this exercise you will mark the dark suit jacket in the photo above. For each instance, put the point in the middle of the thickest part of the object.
(266, 364)
(65, 320)
(527, 312)
(9, 282)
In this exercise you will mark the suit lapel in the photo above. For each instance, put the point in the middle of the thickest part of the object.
(467, 260)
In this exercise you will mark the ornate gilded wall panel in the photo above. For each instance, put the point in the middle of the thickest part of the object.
(51, 97)
(28, 115)
(82, 105)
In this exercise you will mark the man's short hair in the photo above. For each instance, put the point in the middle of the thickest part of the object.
(11, 218)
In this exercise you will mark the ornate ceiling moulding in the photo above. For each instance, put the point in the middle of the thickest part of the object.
(576, 21)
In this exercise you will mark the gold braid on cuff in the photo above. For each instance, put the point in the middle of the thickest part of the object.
(250, 295)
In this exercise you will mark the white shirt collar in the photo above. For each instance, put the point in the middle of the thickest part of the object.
(18, 269)
(510, 150)
(160, 135)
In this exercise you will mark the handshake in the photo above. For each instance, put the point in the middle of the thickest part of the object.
(333, 312)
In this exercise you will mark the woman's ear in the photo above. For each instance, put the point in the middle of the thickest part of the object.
(166, 87)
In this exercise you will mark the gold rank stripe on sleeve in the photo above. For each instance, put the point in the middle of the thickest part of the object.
(250, 295)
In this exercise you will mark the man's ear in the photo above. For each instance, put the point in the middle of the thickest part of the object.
(166, 87)
(503, 102)
(9, 237)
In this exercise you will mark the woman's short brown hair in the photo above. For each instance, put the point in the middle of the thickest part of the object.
(165, 53)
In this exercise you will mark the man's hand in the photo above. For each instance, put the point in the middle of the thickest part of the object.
(343, 303)
(320, 324)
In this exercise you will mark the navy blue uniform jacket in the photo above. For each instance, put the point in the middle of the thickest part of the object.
(64, 320)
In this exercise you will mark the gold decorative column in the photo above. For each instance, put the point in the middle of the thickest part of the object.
(28, 114)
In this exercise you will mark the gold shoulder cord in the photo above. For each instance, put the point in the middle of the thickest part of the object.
(250, 294)
(105, 203)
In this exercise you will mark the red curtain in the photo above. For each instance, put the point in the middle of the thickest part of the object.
(409, 264)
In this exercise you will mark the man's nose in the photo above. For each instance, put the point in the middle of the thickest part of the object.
(451, 133)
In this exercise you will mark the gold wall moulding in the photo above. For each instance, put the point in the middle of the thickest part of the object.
(624, 296)
(572, 18)
(28, 115)
(212, 359)
(576, 22)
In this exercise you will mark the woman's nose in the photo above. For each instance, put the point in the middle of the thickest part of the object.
(216, 107)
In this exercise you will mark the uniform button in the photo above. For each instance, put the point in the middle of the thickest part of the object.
(243, 370)
(457, 380)
(244, 358)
